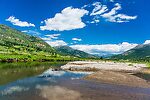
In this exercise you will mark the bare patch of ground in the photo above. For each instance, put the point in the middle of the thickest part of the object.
(130, 74)
(118, 78)
(101, 65)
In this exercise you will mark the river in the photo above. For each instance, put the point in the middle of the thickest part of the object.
(35, 81)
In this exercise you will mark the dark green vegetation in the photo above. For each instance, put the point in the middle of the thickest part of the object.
(12, 40)
(16, 46)
(140, 53)
(68, 51)
(12, 71)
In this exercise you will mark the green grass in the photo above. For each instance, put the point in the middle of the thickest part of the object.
(28, 64)
(11, 54)
(41, 56)
(148, 64)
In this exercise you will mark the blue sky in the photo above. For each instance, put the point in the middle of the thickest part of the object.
(94, 26)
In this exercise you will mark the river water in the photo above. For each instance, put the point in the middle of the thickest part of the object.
(62, 85)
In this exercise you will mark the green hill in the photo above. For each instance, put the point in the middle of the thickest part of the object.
(139, 53)
(68, 51)
(17, 45)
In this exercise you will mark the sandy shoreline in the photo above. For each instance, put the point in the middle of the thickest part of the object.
(101, 65)
(111, 72)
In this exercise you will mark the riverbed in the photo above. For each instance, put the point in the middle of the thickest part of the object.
(49, 84)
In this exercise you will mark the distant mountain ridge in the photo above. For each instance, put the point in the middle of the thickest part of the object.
(66, 50)
(18, 46)
(138, 53)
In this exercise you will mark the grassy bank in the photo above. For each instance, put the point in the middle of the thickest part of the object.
(35, 64)
(129, 61)
(148, 64)
(36, 57)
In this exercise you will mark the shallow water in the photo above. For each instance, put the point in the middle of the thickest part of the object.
(62, 85)
(10, 72)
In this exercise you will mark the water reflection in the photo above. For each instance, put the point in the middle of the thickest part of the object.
(12, 71)
(43, 85)
(63, 85)
(58, 93)
(50, 73)
(13, 89)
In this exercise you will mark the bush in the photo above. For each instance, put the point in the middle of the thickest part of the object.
(130, 64)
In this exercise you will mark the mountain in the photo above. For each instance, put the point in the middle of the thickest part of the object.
(66, 50)
(16, 43)
(140, 52)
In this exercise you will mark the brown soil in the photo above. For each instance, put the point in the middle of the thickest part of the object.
(119, 78)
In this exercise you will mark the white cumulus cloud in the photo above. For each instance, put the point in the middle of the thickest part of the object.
(17, 22)
(112, 0)
(50, 37)
(147, 42)
(33, 32)
(55, 43)
(111, 15)
(113, 11)
(105, 49)
(114, 16)
(68, 19)
(52, 40)
(53, 36)
(98, 9)
(76, 39)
